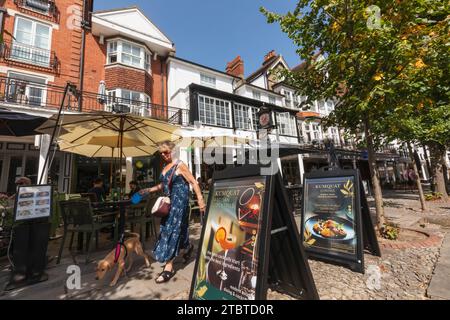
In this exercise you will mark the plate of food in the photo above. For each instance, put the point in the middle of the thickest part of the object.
(330, 228)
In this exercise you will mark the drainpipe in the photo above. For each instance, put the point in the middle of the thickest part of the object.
(84, 27)
(2, 20)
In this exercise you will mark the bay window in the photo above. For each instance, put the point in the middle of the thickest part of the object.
(287, 125)
(31, 42)
(245, 117)
(214, 111)
(128, 53)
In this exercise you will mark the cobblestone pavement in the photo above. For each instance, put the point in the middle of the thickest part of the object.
(403, 275)
(399, 274)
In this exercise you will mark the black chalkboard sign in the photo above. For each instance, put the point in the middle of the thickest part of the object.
(248, 234)
(336, 224)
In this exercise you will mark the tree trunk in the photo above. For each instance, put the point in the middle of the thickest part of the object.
(437, 159)
(430, 172)
(375, 178)
(419, 184)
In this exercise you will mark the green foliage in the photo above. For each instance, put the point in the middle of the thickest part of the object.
(433, 196)
(390, 232)
(390, 73)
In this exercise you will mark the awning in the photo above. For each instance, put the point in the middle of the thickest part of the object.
(18, 124)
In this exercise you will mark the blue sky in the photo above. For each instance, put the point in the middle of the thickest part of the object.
(213, 32)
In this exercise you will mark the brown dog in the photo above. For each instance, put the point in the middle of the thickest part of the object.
(132, 244)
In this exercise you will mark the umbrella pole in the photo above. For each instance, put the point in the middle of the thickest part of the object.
(47, 156)
(111, 172)
(122, 122)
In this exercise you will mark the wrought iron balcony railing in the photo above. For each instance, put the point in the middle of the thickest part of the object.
(43, 7)
(39, 95)
(17, 52)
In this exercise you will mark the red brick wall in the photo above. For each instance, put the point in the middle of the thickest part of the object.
(94, 70)
(119, 76)
(66, 42)
(159, 71)
(67, 45)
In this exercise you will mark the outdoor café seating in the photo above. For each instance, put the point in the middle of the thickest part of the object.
(79, 217)
(141, 215)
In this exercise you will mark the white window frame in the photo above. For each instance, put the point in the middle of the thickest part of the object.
(256, 94)
(249, 116)
(35, 85)
(287, 124)
(208, 80)
(272, 99)
(138, 107)
(214, 112)
(32, 47)
(145, 55)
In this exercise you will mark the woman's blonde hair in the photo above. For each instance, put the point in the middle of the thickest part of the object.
(167, 143)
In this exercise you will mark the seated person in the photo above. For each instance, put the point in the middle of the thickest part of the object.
(134, 188)
(99, 190)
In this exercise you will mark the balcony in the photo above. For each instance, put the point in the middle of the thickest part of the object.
(19, 53)
(18, 92)
(43, 8)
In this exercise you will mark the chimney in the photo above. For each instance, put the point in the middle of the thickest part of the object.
(236, 67)
(269, 56)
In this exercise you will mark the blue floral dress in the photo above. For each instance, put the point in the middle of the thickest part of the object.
(173, 234)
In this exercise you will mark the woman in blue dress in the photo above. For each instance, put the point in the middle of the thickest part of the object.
(174, 233)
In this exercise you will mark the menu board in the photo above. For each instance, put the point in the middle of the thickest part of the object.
(33, 202)
(329, 217)
(227, 265)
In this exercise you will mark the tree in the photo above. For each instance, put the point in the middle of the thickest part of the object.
(358, 50)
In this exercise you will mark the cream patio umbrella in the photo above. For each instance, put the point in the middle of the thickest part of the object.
(109, 134)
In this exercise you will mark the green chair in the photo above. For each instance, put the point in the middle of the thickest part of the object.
(78, 217)
(141, 214)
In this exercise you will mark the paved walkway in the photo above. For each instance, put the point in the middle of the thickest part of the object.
(405, 273)
(440, 284)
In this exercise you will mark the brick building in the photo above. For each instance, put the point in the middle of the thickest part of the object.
(116, 58)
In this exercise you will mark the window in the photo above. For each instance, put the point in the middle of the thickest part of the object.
(214, 111)
(334, 135)
(272, 100)
(256, 95)
(322, 106)
(287, 124)
(312, 131)
(26, 89)
(127, 101)
(112, 52)
(130, 54)
(207, 80)
(32, 42)
(148, 62)
(42, 6)
(288, 98)
(245, 117)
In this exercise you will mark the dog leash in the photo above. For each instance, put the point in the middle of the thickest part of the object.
(119, 246)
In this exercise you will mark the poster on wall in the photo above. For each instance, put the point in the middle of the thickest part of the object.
(229, 257)
(33, 202)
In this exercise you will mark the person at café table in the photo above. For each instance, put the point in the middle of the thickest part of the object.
(134, 188)
(174, 234)
(98, 189)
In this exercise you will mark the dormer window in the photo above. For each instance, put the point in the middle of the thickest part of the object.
(130, 54)
(207, 80)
